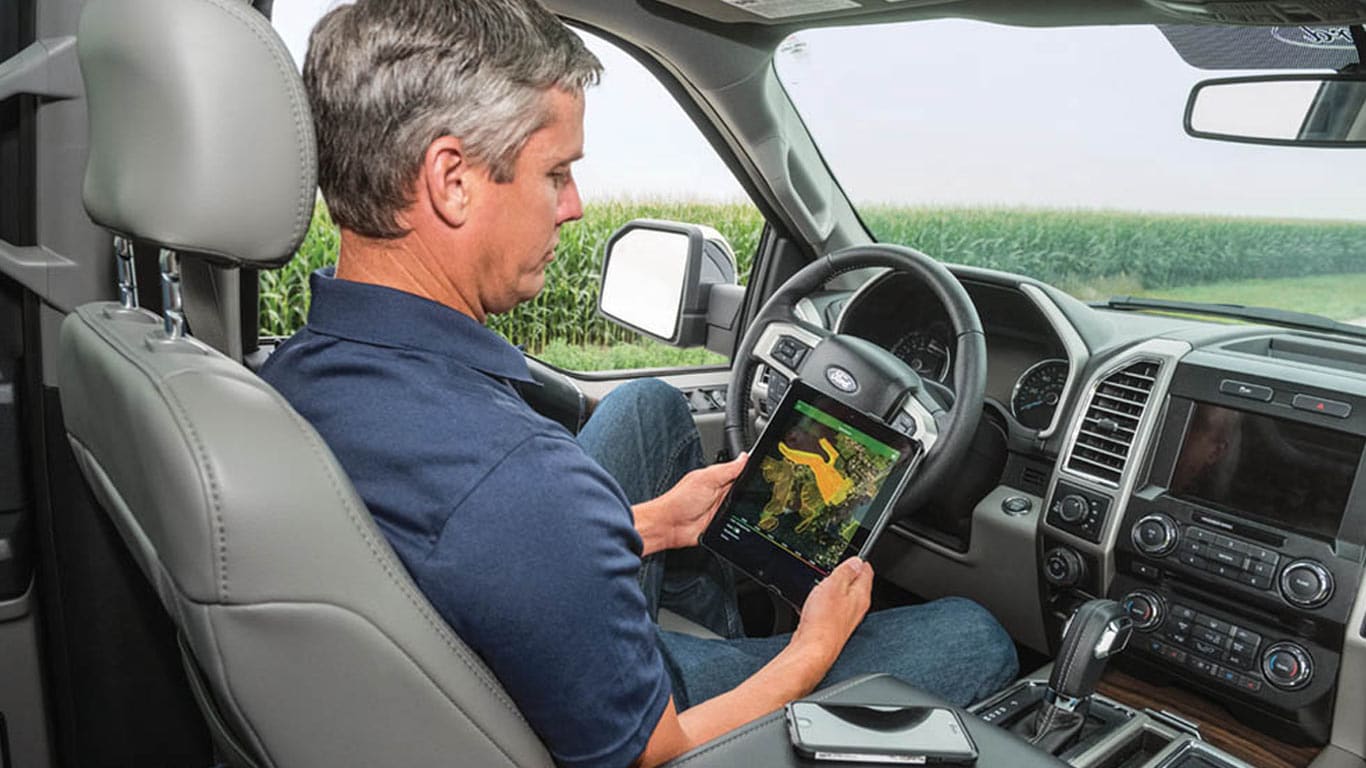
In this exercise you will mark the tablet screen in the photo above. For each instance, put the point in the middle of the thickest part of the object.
(814, 489)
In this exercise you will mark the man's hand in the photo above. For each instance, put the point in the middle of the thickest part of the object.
(834, 609)
(679, 517)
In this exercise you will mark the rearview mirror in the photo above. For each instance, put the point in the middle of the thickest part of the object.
(1289, 110)
(658, 278)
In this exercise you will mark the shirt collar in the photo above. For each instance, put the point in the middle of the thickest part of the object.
(374, 314)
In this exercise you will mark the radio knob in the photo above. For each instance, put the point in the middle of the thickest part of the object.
(1073, 508)
(1154, 535)
(1306, 583)
(1145, 609)
(1288, 666)
(1062, 567)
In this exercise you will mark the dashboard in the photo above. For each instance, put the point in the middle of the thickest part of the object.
(1028, 362)
(1211, 478)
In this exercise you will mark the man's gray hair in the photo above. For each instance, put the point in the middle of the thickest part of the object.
(386, 79)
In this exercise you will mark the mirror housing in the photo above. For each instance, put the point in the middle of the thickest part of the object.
(658, 276)
(1283, 110)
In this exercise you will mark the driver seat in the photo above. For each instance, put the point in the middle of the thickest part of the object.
(306, 640)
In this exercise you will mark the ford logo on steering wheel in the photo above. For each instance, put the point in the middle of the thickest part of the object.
(841, 379)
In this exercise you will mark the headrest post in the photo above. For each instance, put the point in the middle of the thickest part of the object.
(128, 276)
(173, 307)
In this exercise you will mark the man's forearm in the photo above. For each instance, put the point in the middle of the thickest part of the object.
(790, 675)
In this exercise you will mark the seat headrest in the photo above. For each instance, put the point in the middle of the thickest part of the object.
(201, 138)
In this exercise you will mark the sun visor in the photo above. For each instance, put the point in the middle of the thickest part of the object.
(1233, 47)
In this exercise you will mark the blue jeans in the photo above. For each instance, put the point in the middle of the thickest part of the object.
(643, 434)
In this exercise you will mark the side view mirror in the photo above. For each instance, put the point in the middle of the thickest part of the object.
(1287, 110)
(675, 282)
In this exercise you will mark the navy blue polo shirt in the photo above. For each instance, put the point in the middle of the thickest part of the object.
(525, 545)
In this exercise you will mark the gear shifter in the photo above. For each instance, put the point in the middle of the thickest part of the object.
(1096, 631)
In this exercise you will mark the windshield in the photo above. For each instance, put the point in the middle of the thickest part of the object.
(1059, 154)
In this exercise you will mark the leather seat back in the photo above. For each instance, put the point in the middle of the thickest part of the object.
(316, 647)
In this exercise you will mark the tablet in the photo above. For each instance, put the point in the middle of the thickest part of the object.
(817, 489)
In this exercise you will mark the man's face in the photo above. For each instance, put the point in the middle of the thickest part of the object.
(521, 219)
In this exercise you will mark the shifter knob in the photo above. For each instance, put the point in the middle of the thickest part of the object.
(1096, 631)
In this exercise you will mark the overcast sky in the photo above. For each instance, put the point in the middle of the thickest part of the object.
(965, 113)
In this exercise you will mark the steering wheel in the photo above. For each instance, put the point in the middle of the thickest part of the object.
(861, 374)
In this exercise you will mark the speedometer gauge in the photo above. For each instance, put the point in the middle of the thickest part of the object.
(1037, 392)
(926, 354)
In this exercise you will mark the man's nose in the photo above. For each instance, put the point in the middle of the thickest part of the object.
(571, 207)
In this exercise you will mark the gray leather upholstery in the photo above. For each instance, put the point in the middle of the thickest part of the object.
(317, 647)
(200, 135)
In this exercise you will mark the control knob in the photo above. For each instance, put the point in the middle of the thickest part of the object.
(1145, 609)
(1154, 534)
(1306, 583)
(1062, 567)
(1073, 508)
(1287, 666)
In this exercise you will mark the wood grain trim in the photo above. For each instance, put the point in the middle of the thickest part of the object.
(1217, 725)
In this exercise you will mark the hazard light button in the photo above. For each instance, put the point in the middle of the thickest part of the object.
(1319, 405)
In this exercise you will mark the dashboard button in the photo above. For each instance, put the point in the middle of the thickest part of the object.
(1184, 612)
(1191, 561)
(1245, 390)
(1239, 660)
(1183, 626)
(1251, 684)
(1219, 627)
(1199, 534)
(1287, 666)
(1226, 557)
(1208, 649)
(1229, 676)
(1200, 665)
(1207, 635)
(1244, 636)
(1147, 571)
(1320, 405)
(1258, 568)
(1144, 608)
(1306, 583)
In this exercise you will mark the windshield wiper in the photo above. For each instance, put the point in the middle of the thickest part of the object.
(1283, 317)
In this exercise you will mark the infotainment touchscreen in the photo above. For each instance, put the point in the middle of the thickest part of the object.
(812, 494)
(1296, 475)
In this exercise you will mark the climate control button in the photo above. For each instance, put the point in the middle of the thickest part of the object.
(1306, 583)
(1145, 609)
(1287, 666)
(1154, 535)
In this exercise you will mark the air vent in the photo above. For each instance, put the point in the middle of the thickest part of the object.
(1107, 432)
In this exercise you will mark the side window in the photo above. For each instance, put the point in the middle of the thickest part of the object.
(643, 158)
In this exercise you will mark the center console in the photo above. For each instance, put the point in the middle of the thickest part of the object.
(1224, 506)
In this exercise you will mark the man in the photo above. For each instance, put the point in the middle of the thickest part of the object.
(447, 131)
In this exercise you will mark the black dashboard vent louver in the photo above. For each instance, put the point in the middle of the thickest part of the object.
(1107, 431)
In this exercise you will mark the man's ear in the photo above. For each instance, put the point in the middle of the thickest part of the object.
(447, 179)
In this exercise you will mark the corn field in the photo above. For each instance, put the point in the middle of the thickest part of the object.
(1067, 248)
